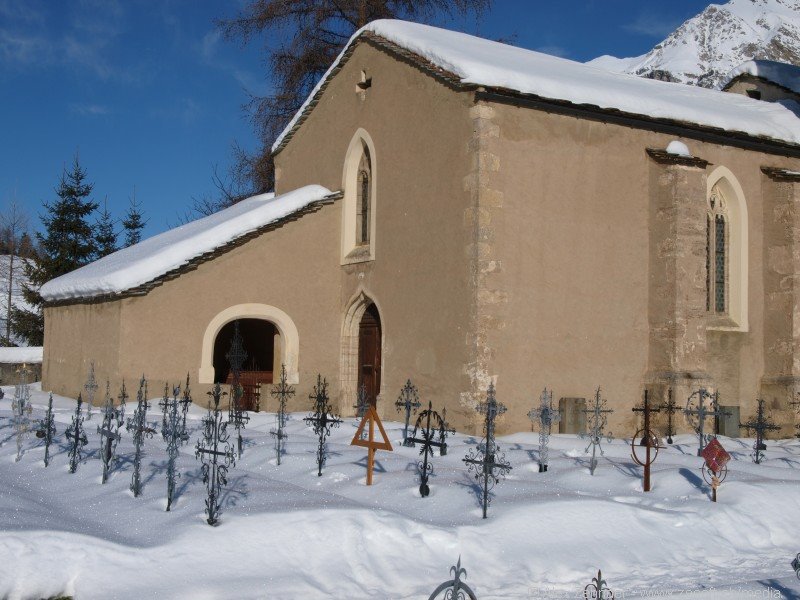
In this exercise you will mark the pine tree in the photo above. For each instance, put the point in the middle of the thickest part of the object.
(105, 236)
(317, 32)
(133, 223)
(66, 244)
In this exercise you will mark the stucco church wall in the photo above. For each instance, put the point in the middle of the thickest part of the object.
(572, 274)
(420, 278)
(75, 335)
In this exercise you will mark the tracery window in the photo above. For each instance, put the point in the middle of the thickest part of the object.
(716, 253)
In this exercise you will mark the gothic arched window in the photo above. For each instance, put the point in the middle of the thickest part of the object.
(716, 253)
(364, 183)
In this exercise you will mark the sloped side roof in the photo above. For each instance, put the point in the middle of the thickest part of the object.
(783, 74)
(154, 257)
(473, 61)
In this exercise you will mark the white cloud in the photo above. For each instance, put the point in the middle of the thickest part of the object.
(652, 24)
(89, 109)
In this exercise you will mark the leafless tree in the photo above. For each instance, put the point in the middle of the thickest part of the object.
(14, 237)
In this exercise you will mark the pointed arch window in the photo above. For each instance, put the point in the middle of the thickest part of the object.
(364, 183)
(717, 252)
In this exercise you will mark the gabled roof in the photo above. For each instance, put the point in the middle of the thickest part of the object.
(167, 253)
(470, 62)
(785, 75)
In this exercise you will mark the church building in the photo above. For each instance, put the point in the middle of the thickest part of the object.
(457, 211)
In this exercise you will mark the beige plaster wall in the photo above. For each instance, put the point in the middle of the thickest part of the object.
(420, 278)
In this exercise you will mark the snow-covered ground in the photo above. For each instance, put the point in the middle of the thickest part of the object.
(286, 533)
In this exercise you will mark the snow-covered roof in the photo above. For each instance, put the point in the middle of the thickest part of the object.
(785, 75)
(477, 61)
(23, 354)
(148, 260)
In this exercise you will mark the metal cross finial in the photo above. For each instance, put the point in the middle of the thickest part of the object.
(408, 402)
(486, 461)
(216, 453)
(597, 419)
(760, 424)
(90, 387)
(282, 392)
(546, 416)
(77, 437)
(428, 423)
(455, 589)
(598, 589)
(796, 565)
(669, 407)
(322, 420)
(701, 405)
(139, 429)
(47, 429)
(109, 430)
(648, 439)
(175, 435)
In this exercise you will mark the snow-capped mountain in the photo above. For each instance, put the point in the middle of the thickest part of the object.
(706, 47)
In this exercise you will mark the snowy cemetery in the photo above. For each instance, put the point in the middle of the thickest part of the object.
(111, 494)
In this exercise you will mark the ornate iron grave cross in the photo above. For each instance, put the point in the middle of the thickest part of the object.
(444, 431)
(90, 387)
(669, 407)
(408, 402)
(455, 589)
(77, 437)
(649, 441)
(362, 402)
(47, 429)
(597, 419)
(598, 589)
(715, 467)
(546, 416)
(282, 392)
(236, 413)
(424, 434)
(486, 461)
(186, 402)
(216, 453)
(176, 436)
(109, 429)
(140, 430)
(796, 565)
(322, 420)
(760, 424)
(21, 407)
(698, 410)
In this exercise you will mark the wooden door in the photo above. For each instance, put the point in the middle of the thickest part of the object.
(369, 353)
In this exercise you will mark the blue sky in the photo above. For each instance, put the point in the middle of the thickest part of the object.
(150, 95)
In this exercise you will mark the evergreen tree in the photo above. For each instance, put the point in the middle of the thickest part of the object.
(105, 236)
(133, 223)
(66, 244)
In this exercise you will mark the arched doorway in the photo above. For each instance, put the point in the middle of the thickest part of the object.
(261, 342)
(369, 353)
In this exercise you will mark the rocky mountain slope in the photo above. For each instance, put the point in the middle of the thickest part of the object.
(706, 47)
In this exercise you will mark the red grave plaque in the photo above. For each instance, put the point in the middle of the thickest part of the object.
(715, 455)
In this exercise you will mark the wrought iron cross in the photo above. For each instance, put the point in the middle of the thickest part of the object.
(216, 453)
(423, 434)
(176, 437)
(90, 387)
(669, 407)
(77, 436)
(186, 402)
(597, 419)
(282, 392)
(109, 430)
(486, 461)
(236, 413)
(648, 439)
(322, 420)
(362, 402)
(697, 412)
(598, 589)
(760, 424)
(455, 588)
(408, 402)
(546, 416)
(47, 429)
(139, 429)
(444, 431)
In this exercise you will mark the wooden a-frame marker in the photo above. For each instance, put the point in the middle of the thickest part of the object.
(371, 444)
